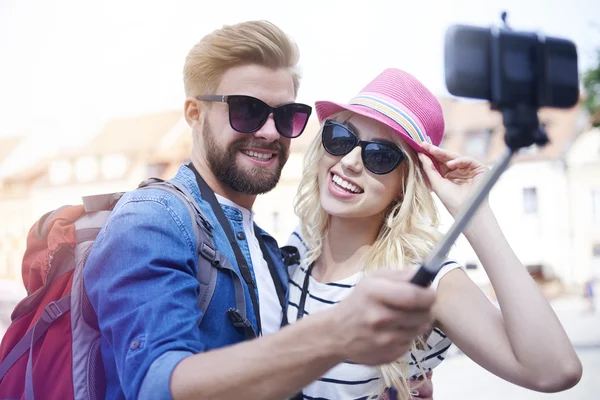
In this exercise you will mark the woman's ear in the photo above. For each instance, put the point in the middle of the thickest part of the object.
(399, 197)
(402, 190)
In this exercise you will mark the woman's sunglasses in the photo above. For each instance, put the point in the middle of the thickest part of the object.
(378, 157)
(248, 114)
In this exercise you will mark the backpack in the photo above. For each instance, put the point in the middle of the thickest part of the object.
(53, 343)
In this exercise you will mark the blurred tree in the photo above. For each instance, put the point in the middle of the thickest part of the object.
(591, 85)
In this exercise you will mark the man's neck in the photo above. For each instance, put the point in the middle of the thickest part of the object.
(241, 199)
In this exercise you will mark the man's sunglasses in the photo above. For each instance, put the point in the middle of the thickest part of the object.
(378, 157)
(248, 114)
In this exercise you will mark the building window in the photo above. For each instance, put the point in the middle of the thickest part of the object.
(477, 142)
(596, 250)
(114, 166)
(596, 204)
(530, 200)
(60, 172)
(87, 168)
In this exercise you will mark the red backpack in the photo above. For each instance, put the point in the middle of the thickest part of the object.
(52, 346)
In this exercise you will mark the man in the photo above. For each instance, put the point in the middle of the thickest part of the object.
(240, 83)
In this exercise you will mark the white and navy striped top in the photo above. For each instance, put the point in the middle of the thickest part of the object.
(349, 380)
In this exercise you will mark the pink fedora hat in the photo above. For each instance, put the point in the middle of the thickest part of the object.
(396, 99)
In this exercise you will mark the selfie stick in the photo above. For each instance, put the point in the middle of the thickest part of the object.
(522, 130)
(430, 268)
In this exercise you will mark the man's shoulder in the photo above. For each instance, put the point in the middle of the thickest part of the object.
(150, 202)
(147, 198)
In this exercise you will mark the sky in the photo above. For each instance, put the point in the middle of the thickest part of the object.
(68, 66)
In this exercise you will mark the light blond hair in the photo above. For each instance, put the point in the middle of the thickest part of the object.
(252, 42)
(407, 235)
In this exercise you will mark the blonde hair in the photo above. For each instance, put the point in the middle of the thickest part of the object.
(407, 235)
(253, 42)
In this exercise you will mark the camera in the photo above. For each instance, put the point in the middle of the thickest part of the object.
(510, 68)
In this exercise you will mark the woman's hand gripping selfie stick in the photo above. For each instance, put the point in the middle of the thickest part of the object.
(522, 130)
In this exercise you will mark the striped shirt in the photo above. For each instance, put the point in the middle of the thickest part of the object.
(348, 380)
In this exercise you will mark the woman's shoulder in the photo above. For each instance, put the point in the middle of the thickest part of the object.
(447, 266)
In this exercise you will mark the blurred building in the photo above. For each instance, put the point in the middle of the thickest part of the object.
(117, 158)
(532, 200)
(583, 176)
(14, 199)
(545, 202)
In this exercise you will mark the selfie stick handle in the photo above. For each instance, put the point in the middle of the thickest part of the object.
(430, 268)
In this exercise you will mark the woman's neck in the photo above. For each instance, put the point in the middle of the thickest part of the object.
(347, 241)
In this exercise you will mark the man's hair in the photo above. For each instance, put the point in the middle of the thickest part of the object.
(252, 42)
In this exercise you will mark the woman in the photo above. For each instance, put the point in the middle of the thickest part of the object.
(365, 203)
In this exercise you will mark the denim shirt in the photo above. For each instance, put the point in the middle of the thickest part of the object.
(140, 277)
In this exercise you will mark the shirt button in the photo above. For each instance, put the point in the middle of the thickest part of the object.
(135, 344)
(241, 236)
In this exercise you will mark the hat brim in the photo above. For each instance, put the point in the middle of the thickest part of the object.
(326, 109)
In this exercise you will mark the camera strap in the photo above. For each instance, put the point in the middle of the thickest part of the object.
(209, 195)
(304, 293)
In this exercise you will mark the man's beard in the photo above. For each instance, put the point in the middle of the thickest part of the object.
(253, 180)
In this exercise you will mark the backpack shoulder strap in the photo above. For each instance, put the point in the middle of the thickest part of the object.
(97, 210)
(101, 202)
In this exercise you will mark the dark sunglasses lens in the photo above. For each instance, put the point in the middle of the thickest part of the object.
(291, 119)
(338, 140)
(380, 158)
(246, 114)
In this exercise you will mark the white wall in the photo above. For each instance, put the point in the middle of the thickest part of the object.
(540, 238)
(584, 178)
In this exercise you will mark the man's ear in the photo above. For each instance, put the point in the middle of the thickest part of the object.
(192, 112)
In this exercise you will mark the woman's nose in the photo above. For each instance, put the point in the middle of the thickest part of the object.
(353, 160)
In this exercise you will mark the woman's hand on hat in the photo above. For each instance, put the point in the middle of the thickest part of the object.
(459, 176)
